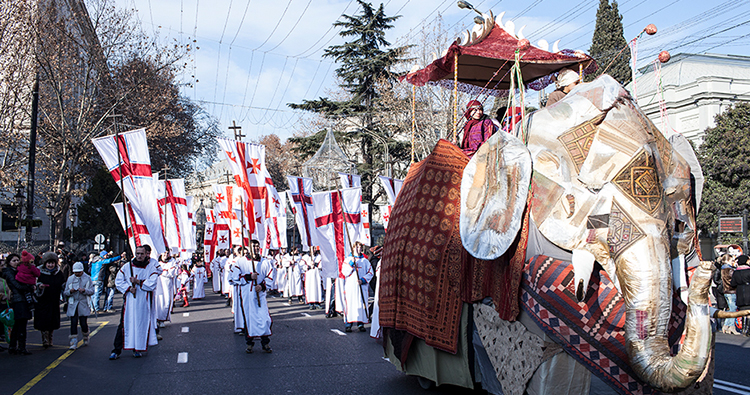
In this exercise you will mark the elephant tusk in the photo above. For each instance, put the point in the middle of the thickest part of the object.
(583, 265)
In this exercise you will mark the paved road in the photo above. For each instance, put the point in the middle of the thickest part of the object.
(199, 354)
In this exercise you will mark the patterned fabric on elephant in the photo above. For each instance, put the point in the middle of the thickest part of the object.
(426, 272)
(590, 331)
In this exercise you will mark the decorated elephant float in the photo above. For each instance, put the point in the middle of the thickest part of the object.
(555, 253)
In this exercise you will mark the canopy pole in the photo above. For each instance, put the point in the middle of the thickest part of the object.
(455, 99)
(413, 119)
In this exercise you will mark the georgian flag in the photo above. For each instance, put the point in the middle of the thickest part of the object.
(385, 212)
(392, 188)
(337, 224)
(134, 165)
(209, 242)
(276, 222)
(173, 208)
(364, 225)
(191, 241)
(300, 197)
(135, 230)
(236, 154)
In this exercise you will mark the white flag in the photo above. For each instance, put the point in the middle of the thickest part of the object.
(392, 188)
(337, 220)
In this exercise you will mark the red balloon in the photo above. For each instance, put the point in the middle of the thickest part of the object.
(664, 56)
(523, 44)
(650, 29)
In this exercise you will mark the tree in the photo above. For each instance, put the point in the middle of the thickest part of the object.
(725, 159)
(95, 213)
(363, 63)
(607, 44)
(91, 67)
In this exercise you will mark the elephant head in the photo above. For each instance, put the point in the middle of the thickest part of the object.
(609, 187)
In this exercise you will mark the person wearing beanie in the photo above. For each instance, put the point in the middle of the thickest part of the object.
(79, 289)
(567, 79)
(27, 272)
(478, 128)
(21, 303)
(727, 271)
(47, 307)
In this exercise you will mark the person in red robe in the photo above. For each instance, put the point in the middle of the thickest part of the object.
(478, 128)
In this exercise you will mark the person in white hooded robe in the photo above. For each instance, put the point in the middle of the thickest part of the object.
(136, 280)
(249, 275)
(217, 269)
(164, 294)
(198, 274)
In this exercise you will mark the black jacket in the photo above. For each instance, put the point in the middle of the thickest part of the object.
(19, 291)
(741, 281)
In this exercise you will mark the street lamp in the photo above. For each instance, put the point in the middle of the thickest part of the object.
(19, 205)
(386, 156)
(73, 217)
(50, 209)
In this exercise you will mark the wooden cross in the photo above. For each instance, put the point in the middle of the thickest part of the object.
(165, 169)
(237, 131)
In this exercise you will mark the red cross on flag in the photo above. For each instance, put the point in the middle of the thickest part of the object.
(173, 207)
(210, 215)
(300, 196)
(392, 188)
(385, 212)
(221, 235)
(209, 243)
(276, 221)
(337, 223)
(236, 154)
(136, 231)
(228, 209)
(127, 155)
(364, 225)
(190, 244)
(350, 180)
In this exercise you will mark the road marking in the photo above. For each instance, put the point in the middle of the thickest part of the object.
(306, 315)
(182, 357)
(186, 314)
(54, 364)
(287, 304)
(185, 329)
(731, 387)
(338, 332)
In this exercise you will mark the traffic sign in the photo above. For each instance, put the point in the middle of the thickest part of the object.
(99, 247)
(99, 238)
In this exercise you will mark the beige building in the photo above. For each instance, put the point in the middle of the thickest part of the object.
(697, 87)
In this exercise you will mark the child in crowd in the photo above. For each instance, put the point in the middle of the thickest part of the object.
(27, 272)
(184, 278)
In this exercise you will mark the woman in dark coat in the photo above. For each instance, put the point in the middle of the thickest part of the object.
(741, 281)
(21, 301)
(47, 316)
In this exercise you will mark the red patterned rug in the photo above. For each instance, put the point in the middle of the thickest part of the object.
(426, 273)
(590, 331)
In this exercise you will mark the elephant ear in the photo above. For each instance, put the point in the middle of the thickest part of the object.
(494, 189)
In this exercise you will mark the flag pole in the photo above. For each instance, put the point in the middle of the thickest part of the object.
(124, 198)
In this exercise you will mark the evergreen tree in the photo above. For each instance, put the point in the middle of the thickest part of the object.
(725, 159)
(96, 214)
(364, 64)
(607, 42)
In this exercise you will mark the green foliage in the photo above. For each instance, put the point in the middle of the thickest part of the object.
(607, 42)
(364, 68)
(96, 214)
(725, 159)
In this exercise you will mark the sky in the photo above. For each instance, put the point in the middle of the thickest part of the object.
(256, 56)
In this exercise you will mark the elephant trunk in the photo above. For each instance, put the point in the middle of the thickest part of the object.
(647, 291)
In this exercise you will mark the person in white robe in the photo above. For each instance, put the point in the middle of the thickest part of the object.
(164, 294)
(216, 271)
(249, 276)
(226, 288)
(293, 288)
(313, 289)
(136, 280)
(281, 272)
(272, 286)
(199, 278)
(357, 274)
(375, 331)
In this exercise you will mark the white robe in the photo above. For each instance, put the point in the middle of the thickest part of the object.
(255, 319)
(200, 278)
(164, 294)
(281, 274)
(355, 308)
(375, 331)
(226, 289)
(313, 289)
(138, 324)
(293, 286)
(216, 274)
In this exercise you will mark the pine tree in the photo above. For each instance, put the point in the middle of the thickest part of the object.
(608, 41)
(725, 159)
(364, 64)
